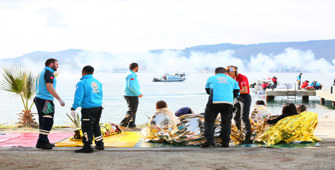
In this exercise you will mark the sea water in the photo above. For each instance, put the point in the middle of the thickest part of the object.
(190, 92)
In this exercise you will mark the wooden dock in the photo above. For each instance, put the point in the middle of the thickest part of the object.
(270, 94)
(323, 94)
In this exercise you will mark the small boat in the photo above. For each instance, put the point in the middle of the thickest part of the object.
(258, 89)
(170, 78)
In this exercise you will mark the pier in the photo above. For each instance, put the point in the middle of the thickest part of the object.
(292, 94)
(326, 95)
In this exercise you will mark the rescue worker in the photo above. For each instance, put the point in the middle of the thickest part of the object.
(222, 90)
(274, 80)
(45, 93)
(299, 81)
(131, 95)
(89, 96)
(242, 102)
(304, 84)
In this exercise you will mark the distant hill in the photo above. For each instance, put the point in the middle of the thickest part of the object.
(321, 48)
(75, 58)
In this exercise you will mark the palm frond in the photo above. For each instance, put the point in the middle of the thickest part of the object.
(12, 81)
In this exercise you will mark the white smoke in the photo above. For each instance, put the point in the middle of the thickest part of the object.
(290, 60)
(172, 61)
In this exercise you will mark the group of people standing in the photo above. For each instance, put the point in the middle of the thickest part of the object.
(88, 96)
(229, 94)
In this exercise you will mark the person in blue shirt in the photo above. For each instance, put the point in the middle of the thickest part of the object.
(131, 94)
(45, 93)
(88, 96)
(222, 90)
(299, 81)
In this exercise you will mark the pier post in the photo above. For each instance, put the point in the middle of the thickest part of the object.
(322, 101)
(269, 98)
(305, 99)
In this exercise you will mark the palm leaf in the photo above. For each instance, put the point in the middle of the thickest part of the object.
(19, 82)
(12, 81)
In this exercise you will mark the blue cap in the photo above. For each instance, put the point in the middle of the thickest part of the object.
(183, 111)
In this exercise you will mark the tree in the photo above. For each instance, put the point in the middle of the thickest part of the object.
(20, 82)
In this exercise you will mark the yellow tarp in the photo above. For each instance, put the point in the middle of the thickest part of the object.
(124, 139)
(293, 128)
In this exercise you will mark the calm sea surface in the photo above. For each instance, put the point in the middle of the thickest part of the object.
(189, 93)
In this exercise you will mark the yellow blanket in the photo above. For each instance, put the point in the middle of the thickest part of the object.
(123, 139)
(293, 128)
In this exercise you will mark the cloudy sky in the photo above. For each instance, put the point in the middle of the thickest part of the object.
(118, 26)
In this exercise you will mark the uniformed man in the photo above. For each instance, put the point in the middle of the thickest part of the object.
(45, 93)
(131, 94)
(222, 90)
(88, 96)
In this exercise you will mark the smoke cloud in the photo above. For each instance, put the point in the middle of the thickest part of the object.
(171, 61)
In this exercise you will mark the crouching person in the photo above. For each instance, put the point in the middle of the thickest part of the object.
(161, 124)
(88, 96)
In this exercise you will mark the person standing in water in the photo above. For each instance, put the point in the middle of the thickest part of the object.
(242, 103)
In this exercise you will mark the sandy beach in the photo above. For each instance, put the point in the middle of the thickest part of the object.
(181, 157)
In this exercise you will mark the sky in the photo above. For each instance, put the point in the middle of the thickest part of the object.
(119, 26)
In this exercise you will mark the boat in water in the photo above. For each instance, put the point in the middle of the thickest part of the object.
(170, 78)
(259, 87)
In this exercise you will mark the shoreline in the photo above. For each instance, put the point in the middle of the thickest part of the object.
(322, 157)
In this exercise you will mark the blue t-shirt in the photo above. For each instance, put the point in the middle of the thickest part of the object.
(132, 87)
(221, 89)
(88, 93)
(46, 76)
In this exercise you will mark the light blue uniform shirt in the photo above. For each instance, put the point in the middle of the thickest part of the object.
(221, 88)
(132, 87)
(88, 93)
(46, 76)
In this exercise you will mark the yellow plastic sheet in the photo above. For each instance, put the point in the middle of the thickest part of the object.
(124, 139)
(293, 128)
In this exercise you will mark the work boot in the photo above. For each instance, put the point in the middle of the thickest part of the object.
(84, 150)
(247, 141)
(99, 146)
(43, 145)
(135, 129)
(225, 144)
(207, 144)
(51, 144)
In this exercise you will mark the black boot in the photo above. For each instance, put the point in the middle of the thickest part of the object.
(207, 144)
(99, 146)
(225, 144)
(85, 150)
(247, 140)
(51, 144)
(43, 145)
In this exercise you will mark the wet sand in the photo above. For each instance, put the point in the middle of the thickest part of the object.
(182, 157)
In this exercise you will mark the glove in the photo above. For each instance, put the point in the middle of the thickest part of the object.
(73, 114)
(62, 103)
